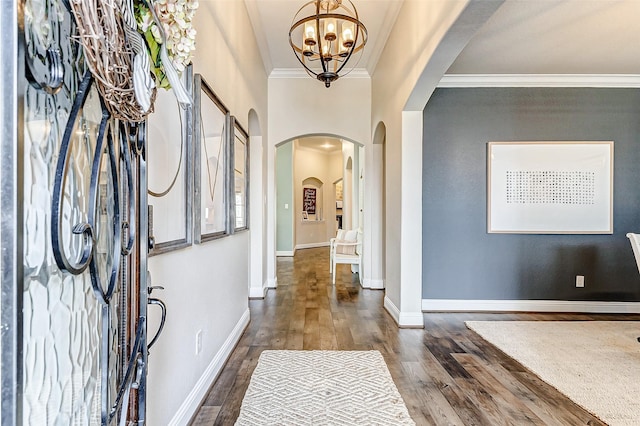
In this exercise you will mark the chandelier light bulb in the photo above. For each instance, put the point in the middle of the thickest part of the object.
(330, 29)
(347, 34)
(309, 34)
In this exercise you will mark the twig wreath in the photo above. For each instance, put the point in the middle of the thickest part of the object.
(123, 62)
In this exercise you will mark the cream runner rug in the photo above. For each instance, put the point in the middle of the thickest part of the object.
(322, 388)
(595, 363)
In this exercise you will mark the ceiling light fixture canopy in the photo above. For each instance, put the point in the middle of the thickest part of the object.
(325, 34)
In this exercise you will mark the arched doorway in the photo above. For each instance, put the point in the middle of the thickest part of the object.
(375, 203)
(258, 210)
(325, 159)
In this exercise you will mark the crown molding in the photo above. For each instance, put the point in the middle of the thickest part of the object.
(540, 80)
(301, 73)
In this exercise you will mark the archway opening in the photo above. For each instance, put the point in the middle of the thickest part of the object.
(377, 203)
(308, 214)
(258, 208)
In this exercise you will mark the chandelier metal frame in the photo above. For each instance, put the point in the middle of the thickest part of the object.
(325, 50)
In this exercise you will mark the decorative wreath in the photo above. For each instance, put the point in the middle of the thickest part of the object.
(123, 61)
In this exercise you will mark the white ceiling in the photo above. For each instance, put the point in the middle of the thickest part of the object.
(324, 144)
(522, 37)
(556, 37)
(271, 20)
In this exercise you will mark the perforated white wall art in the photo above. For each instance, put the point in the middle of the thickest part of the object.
(550, 187)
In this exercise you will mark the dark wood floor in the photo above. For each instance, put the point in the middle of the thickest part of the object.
(446, 374)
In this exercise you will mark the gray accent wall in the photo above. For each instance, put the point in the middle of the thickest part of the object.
(460, 259)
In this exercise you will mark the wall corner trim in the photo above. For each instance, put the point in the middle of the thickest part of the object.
(404, 319)
(192, 402)
(392, 309)
(576, 306)
(540, 80)
(373, 284)
(259, 292)
(272, 282)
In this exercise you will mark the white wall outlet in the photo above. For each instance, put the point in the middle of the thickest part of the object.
(579, 280)
(198, 342)
(286, 206)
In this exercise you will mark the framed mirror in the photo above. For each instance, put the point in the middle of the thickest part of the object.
(212, 128)
(240, 173)
(170, 174)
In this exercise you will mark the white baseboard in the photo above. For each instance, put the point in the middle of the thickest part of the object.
(191, 404)
(392, 309)
(258, 292)
(312, 245)
(272, 282)
(373, 284)
(455, 305)
(403, 319)
(290, 253)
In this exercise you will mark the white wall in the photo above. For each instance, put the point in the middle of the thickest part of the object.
(294, 107)
(206, 286)
(303, 106)
(426, 38)
(312, 163)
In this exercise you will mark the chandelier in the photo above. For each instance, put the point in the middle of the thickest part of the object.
(325, 34)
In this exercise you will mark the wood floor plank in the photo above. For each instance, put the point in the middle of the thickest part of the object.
(446, 373)
(508, 405)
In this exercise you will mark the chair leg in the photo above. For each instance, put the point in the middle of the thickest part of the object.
(334, 273)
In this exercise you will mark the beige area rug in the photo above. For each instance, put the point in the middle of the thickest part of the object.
(322, 388)
(595, 363)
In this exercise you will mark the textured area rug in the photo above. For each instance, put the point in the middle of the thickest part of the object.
(322, 388)
(595, 363)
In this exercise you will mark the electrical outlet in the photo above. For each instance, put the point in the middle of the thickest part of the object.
(198, 342)
(579, 280)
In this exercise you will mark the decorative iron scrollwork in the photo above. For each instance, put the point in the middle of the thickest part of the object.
(86, 229)
(104, 277)
(52, 80)
(101, 294)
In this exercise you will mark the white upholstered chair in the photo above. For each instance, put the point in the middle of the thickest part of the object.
(635, 245)
(346, 248)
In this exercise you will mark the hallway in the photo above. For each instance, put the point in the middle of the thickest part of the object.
(445, 373)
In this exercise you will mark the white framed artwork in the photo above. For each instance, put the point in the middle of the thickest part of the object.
(563, 187)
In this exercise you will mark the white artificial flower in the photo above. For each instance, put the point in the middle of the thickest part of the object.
(176, 17)
(146, 20)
